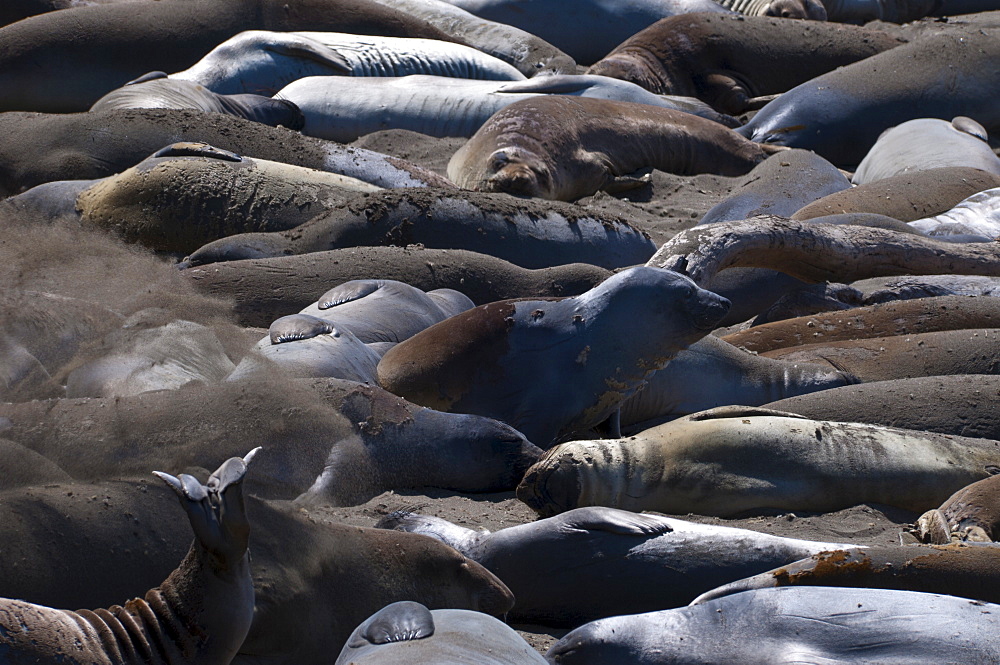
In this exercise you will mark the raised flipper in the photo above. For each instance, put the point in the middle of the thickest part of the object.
(398, 622)
(612, 520)
(348, 291)
(149, 76)
(970, 126)
(298, 326)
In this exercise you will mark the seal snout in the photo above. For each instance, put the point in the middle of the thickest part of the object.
(551, 485)
(709, 309)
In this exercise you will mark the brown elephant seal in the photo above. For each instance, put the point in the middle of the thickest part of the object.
(258, 299)
(906, 196)
(304, 564)
(565, 148)
(970, 514)
(737, 460)
(965, 351)
(336, 442)
(727, 60)
(959, 404)
(552, 368)
(904, 317)
(40, 148)
(77, 56)
(408, 632)
(633, 562)
(958, 570)
(200, 614)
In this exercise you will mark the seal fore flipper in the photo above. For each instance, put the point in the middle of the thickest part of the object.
(348, 291)
(398, 622)
(622, 522)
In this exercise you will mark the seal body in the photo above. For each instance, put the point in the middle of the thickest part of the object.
(633, 562)
(977, 216)
(407, 632)
(734, 460)
(970, 514)
(927, 143)
(550, 368)
(861, 100)
(562, 148)
(342, 109)
(727, 60)
(793, 624)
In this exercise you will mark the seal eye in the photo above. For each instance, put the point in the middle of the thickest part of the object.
(498, 160)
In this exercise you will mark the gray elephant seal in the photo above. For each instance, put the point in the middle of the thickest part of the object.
(734, 460)
(792, 624)
(298, 558)
(727, 60)
(156, 91)
(383, 310)
(258, 299)
(527, 233)
(977, 216)
(552, 368)
(41, 148)
(200, 614)
(633, 562)
(970, 514)
(957, 404)
(598, 25)
(927, 143)
(342, 109)
(408, 632)
(562, 148)
(941, 76)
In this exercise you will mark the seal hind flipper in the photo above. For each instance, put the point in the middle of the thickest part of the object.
(349, 291)
(399, 622)
(610, 520)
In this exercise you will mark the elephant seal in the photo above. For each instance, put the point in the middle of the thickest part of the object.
(156, 91)
(735, 460)
(383, 310)
(188, 194)
(565, 148)
(342, 109)
(345, 444)
(304, 565)
(712, 373)
(258, 299)
(552, 368)
(970, 514)
(598, 25)
(527, 233)
(941, 76)
(907, 196)
(965, 351)
(200, 614)
(75, 57)
(42, 148)
(23, 467)
(927, 143)
(633, 562)
(727, 60)
(324, 351)
(780, 185)
(530, 54)
(408, 632)
(969, 572)
(263, 62)
(957, 404)
(884, 289)
(794, 624)
(978, 215)
(905, 317)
